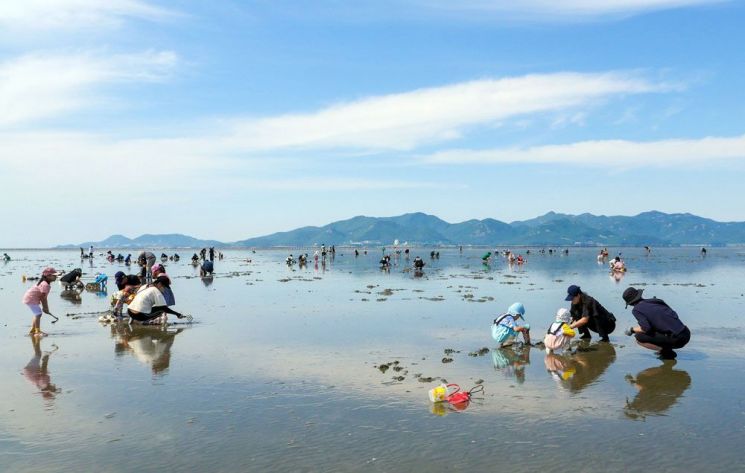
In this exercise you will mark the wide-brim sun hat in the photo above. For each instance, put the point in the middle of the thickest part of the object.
(632, 295)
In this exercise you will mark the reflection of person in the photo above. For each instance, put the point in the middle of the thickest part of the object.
(512, 361)
(151, 345)
(560, 367)
(659, 327)
(583, 368)
(659, 389)
(588, 314)
(37, 370)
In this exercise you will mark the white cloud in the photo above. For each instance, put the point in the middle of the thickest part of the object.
(564, 9)
(616, 153)
(24, 15)
(408, 120)
(40, 86)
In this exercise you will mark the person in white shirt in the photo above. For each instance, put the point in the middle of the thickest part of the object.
(149, 303)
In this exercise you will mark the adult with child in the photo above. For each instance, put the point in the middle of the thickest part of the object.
(659, 329)
(589, 315)
(149, 305)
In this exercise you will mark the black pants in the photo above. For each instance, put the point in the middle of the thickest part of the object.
(603, 326)
(666, 341)
(156, 312)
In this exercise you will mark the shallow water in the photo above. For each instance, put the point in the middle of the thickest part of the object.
(281, 369)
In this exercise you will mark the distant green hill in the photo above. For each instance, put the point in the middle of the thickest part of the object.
(648, 228)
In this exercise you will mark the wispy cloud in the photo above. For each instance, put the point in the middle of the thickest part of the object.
(37, 15)
(40, 86)
(407, 120)
(542, 10)
(616, 153)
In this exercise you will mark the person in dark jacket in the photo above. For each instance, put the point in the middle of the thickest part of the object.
(659, 327)
(588, 314)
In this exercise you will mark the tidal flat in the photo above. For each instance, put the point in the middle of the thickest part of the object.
(327, 368)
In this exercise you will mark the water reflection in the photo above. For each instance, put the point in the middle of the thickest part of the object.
(71, 295)
(208, 280)
(37, 371)
(583, 368)
(659, 389)
(511, 361)
(151, 345)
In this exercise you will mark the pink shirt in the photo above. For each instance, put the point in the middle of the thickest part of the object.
(36, 292)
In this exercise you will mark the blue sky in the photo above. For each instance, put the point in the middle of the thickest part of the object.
(233, 119)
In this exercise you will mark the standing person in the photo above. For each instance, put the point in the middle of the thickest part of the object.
(146, 260)
(82, 253)
(588, 314)
(212, 253)
(203, 254)
(36, 300)
(659, 327)
(90, 252)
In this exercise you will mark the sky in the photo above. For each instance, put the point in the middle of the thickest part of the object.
(233, 119)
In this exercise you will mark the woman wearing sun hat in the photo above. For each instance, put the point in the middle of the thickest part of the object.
(36, 299)
(659, 327)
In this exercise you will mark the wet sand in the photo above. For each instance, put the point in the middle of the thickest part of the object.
(289, 369)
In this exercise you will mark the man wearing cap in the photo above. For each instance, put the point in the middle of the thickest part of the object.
(588, 314)
(659, 327)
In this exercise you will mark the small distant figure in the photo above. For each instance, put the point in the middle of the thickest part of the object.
(506, 327)
(648, 249)
(128, 259)
(290, 260)
(659, 327)
(460, 249)
(163, 257)
(356, 253)
(212, 253)
(207, 269)
(195, 259)
(566, 252)
(418, 263)
(520, 259)
(82, 253)
(560, 333)
(203, 254)
(176, 257)
(90, 252)
(6, 257)
(385, 262)
(617, 265)
(485, 259)
(703, 251)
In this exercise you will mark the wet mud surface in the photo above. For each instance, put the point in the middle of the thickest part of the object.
(327, 368)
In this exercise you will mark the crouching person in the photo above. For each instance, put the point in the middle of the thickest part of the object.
(149, 306)
(659, 327)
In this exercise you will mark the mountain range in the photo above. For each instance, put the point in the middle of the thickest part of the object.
(648, 228)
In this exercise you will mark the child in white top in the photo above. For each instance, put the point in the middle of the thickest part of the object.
(560, 333)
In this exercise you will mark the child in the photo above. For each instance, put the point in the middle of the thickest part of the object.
(505, 328)
(37, 295)
(559, 334)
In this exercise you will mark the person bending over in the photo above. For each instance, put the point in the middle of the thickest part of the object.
(149, 304)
